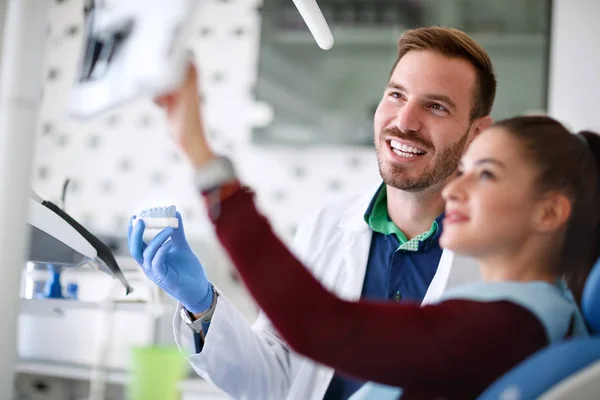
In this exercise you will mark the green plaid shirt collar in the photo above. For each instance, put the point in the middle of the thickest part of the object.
(378, 220)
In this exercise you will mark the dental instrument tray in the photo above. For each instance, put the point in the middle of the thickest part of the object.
(56, 238)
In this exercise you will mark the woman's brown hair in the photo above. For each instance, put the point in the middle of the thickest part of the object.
(568, 163)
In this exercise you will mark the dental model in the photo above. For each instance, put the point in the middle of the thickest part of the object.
(158, 217)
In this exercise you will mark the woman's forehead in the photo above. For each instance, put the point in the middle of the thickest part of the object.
(494, 143)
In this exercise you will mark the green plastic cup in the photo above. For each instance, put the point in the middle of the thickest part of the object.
(156, 373)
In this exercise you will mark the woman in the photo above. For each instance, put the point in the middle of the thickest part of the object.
(524, 204)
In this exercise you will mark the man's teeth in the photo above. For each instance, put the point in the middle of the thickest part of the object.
(404, 150)
(403, 154)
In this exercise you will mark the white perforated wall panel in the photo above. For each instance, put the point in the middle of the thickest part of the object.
(123, 161)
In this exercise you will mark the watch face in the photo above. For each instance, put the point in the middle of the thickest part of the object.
(185, 316)
(188, 321)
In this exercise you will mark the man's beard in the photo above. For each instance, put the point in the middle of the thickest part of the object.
(399, 176)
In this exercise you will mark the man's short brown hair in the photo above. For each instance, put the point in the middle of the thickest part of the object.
(454, 43)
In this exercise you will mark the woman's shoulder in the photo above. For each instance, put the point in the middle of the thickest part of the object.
(551, 304)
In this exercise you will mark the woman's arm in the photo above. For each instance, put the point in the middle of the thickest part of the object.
(403, 345)
(447, 345)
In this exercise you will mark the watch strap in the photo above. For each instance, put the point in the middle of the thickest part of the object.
(214, 174)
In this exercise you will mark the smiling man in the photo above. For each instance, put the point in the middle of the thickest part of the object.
(382, 245)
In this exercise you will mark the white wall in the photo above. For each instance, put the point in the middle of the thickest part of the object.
(123, 161)
(575, 64)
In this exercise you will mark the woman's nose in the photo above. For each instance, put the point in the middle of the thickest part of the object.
(456, 189)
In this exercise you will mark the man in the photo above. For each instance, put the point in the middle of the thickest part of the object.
(379, 246)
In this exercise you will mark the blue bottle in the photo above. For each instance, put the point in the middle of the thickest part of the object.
(72, 291)
(53, 288)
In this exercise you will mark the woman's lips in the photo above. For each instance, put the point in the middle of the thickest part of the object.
(455, 217)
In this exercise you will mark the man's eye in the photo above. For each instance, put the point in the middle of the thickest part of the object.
(439, 107)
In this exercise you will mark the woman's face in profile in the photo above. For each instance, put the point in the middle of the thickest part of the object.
(491, 204)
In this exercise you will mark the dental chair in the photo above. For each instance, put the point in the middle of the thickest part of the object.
(568, 370)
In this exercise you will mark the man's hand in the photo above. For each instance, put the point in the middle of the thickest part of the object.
(169, 262)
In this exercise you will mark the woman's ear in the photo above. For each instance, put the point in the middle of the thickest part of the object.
(552, 213)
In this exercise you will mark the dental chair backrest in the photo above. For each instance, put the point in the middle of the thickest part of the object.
(567, 370)
(590, 300)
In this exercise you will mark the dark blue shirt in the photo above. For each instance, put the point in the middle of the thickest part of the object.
(397, 270)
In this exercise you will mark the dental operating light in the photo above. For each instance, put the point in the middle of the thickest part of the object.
(137, 48)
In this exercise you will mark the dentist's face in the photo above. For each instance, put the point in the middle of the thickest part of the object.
(422, 124)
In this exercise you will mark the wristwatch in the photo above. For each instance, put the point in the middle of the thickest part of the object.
(214, 174)
(196, 324)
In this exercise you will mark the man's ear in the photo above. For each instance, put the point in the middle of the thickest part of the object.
(482, 124)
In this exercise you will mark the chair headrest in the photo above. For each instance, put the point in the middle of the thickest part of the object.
(590, 300)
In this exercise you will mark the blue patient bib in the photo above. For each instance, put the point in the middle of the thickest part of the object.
(553, 305)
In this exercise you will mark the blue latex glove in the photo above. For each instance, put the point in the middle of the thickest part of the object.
(172, 265)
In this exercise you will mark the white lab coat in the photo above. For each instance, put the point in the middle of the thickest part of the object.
(250, 361)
